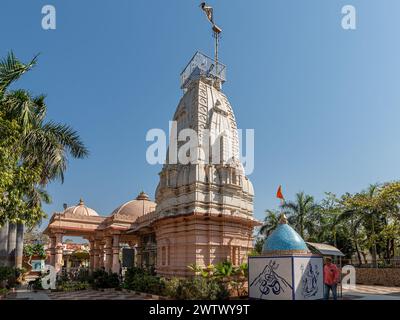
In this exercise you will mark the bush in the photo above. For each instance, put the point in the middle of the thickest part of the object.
(83, 275)
(72, 286)
(143, 281)
(9, 276)
(6, 273)
(226, 275)
(197, 288)
(37, 283)
(3, 291)
(101, 279)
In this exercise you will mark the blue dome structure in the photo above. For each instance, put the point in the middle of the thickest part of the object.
(284, 240)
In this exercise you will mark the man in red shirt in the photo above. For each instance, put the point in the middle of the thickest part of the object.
(331, 278)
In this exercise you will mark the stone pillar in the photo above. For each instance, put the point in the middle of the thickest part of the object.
(96, 259)
(4, 244)
(52, 251)
(19, 249)
(108, 253)
(91, 252)
(58, 252)
(115, 250)
(12, 242)
(101, 255)
(67, 264)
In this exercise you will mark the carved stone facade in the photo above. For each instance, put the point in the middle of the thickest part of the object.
(203, 211)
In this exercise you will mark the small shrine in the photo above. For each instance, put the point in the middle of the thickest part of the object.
(286, 269)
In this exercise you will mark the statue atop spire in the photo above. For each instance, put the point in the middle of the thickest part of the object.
(209, 11)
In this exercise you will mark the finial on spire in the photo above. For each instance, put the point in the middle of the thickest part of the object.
(142, 196)
(81, 203)
(283, 219)
(209, 11)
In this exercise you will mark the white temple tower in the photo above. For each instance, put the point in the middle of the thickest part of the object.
(204, 208)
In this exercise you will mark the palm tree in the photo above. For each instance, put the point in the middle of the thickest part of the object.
(299, 211)
(362, 208)
(44, 146)
(271, 221)
(371, 193)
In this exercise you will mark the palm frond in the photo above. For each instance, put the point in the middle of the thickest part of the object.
(68, 138)
(11, 69)
(40, 108)
(18, 105)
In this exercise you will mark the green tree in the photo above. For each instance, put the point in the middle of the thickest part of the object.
(299, 213)
(376, 212)
(271, 221)
(37, 151)
(363, 209)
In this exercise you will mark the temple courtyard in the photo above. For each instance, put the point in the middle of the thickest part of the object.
(362, 292)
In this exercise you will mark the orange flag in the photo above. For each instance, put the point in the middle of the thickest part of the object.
(279, 193)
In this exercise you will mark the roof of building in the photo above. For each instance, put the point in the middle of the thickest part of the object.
(81, 210)
(136, 208)
(325, 249)
(284, 239)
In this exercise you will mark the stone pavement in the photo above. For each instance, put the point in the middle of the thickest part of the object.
(25, 294)
(96, 295)
(361, 292)
(364, 292)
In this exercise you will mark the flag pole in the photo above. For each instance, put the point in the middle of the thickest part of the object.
(216, 35)
(282, 199)
(209, 11)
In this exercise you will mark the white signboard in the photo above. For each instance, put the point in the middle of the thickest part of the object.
(37, 265)
(270, 278)
(308, 276)
(286, 278)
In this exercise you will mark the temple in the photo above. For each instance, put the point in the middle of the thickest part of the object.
(203, 210)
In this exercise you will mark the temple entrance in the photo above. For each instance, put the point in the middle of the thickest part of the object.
(147, 252)
(75, 253)
(104, 242)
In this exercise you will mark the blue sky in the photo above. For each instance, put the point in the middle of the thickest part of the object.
(324, 102)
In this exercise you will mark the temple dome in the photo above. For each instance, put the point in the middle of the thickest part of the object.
(284, 239)
(81, 210)
(136, 208)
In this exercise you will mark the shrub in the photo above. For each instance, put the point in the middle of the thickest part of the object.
(101, 279)
(141, 280)
(6, 273)
(72, 286)
(37, 283)
(9, 276)
(196, 288)
(83, 275)
(232, 278)
(3, 291)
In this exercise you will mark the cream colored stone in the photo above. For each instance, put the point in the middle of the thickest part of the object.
(203, 213)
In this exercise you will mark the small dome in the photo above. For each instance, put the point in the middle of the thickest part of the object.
(81, 210)
(136, 208)
(248, 186)
(284, 239)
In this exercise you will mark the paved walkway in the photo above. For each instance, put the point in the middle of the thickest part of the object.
(96, 295)
(364, 292)
(24, 294)
(361, 292)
